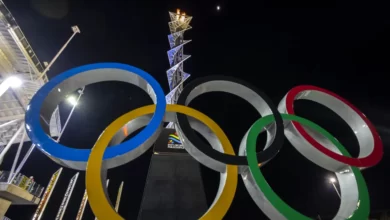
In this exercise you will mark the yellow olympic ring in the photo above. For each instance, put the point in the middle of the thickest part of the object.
(97, 198)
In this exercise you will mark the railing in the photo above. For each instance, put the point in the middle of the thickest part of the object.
(23, 182)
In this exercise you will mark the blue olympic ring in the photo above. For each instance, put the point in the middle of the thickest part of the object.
(50, 147)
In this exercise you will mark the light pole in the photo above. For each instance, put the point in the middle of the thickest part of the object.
(73, 101)
(32, 147)
(75, 30)
(333, 180)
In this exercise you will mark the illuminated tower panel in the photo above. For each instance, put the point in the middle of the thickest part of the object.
(178, 25)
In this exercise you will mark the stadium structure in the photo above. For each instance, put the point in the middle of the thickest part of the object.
(21, 75)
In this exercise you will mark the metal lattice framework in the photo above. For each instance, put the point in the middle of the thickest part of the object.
(179, 24)
(17, 58)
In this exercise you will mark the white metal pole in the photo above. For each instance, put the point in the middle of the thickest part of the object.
(75, 31)
(32, 147)
(336, 190)
(8, 123)
(70, 114)
(17, 156)
(118, 197)
(2, 154)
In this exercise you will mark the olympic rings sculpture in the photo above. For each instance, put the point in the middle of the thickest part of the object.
(309, 139)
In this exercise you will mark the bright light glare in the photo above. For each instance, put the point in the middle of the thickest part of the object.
(183, 17)
(72, 100)
(13, 82)
(218, 8)
(9, 82)
(332, 180)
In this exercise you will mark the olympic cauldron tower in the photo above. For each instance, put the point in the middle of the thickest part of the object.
(178, 25)
(166, 196)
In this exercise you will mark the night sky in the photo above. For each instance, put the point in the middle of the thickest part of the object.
(342, 47)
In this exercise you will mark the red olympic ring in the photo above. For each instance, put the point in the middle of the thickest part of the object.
(368, 161)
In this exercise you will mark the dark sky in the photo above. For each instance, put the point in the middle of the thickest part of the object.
(343, 47)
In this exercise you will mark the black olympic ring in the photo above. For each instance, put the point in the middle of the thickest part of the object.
(184, 125)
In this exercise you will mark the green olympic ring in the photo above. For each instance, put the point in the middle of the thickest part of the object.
(363, 205)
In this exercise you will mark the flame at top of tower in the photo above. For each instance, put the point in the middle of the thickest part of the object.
(179, 21)
(180, 16)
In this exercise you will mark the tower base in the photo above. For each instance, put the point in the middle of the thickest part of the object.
(174, 189)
